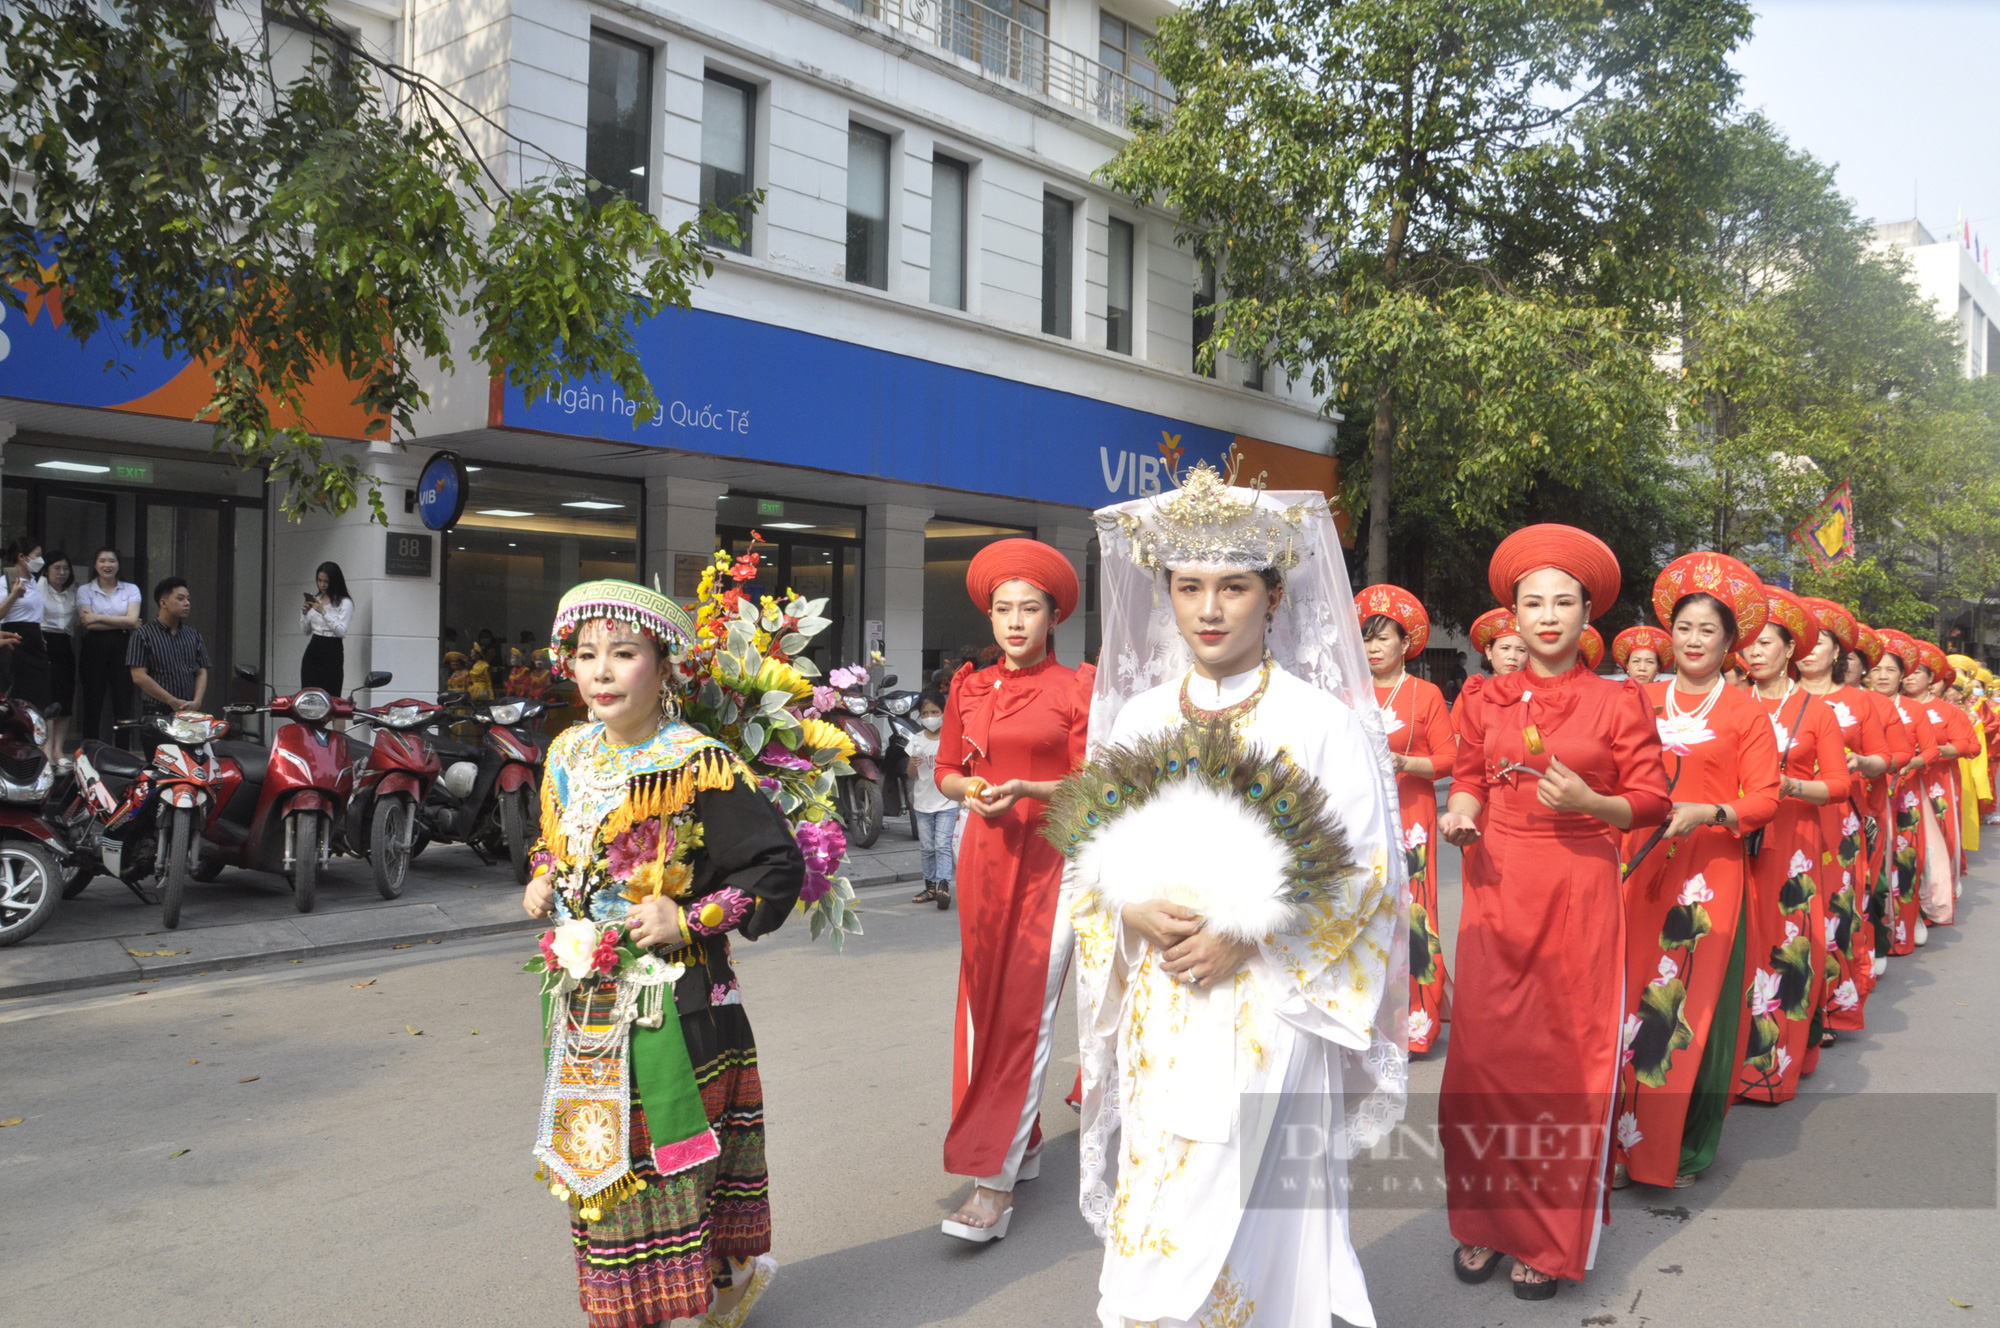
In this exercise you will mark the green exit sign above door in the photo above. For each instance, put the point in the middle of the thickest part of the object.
(125, 471)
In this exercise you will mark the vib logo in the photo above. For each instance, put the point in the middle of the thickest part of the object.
(1137, 473)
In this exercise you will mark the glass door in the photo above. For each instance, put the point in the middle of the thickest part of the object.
(75, 522)
(195, 539)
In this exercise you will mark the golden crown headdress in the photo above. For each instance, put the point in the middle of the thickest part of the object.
(1210, 522)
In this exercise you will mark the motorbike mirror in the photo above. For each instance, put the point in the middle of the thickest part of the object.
(451, 698)
(247, 672)
(379, 678)
(888, 681)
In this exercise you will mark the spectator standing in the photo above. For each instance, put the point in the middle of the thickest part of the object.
(58, 625)
(107, 610)
(21, 613)
(168, 660)
(937, 815)
(325, 618)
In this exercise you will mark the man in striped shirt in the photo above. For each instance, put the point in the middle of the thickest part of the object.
(168, 660)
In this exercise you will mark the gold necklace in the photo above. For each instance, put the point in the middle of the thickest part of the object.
(1236, 716)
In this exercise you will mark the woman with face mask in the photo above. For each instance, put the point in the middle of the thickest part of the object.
(1010, 732)
(1686, 942)
(21, 614)
(1553, 762)
(1394, 629)
(937, 815)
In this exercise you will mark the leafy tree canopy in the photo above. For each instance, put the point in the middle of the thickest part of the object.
(158, 177)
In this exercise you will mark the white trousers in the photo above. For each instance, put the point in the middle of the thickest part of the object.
(1062, 941)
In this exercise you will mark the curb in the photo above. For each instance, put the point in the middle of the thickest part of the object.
(231, 963)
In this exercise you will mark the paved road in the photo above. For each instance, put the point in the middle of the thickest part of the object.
(341, 1169)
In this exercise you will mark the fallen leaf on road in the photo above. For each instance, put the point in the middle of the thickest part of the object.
(11, 1120)
(172, 1156)
(298, 961)
(194, 1062)
(155, 954)
(249, 1078)
(414, 1030)
(369, 983)
(1956, 1301)
(432, 942)
(475, 1032)
(404, 946)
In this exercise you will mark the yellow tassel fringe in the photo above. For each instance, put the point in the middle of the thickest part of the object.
(597, 1205)
(659, 793)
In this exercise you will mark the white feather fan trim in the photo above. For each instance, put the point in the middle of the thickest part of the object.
(1199, 846)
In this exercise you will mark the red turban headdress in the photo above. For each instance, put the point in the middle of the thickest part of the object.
(1900, 644)
(1716, 574)
(1400, 607)
(1490, 626)
(1836, 619)
(1794, 615)
(1591, 644)
(1932, 658)
(1578, 552)
(1869, 642)
(1042, 567)
(1642, 638)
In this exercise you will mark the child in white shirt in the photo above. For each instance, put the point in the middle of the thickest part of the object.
(937, 815)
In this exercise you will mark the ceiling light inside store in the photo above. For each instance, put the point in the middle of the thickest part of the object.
(78, 467)
(787, 525)
(593, 505)
(474, 470)
(502, 511)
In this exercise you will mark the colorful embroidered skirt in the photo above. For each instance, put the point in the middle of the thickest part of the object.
(649, 1259)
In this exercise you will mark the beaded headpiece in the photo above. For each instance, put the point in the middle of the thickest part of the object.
(643, 610)
(1207, 522)
(1400, 607)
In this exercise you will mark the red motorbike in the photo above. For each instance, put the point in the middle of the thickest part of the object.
(392, 778)
(859, 795)
(34, 855)
(276, 808)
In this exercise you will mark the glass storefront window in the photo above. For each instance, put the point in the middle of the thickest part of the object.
(811, 548)
(526, 537)
(954, 628)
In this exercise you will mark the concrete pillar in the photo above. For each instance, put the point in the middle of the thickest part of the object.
(892, 587)
(395, 625)
(7, 428)
(680, 523)
(1074, 543)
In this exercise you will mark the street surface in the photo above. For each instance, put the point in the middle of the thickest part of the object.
(345, 1141)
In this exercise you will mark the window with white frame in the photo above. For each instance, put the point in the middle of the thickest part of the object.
(617, 137)
(728, 123)
(950, 196)
(867, 207)
(1118, 288)
(1204, 314)
(1121, 48)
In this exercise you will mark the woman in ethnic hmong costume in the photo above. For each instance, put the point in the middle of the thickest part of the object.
(1553, 761)
(1394, 628)
(1240, 914)
(652, 1127)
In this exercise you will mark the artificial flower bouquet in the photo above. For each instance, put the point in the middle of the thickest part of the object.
(581, 951)
(748, 687)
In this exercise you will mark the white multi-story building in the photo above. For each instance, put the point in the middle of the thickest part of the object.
(939, 329)
(1950, 275)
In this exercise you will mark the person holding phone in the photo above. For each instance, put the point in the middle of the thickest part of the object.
(324, 617)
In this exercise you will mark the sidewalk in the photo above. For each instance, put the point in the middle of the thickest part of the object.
(105, 935)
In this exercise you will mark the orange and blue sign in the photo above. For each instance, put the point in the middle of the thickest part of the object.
(441, 490)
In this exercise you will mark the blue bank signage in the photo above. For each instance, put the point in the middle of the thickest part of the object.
(736, 388)
(441, 491)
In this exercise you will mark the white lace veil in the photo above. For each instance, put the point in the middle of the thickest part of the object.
(1315, 636)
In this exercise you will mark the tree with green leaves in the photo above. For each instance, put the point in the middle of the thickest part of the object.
(1457, 220)
(159, 179)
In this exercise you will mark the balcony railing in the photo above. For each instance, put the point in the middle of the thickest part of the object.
(1019, 53)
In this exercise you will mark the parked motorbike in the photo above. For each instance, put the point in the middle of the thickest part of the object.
(899, 710)
(34, 855)
(133, 817)
(487, 795)
(858, 796)
(393, 776)
(276, 808)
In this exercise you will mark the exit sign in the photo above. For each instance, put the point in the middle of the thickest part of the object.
(131, 472)
(770, 507)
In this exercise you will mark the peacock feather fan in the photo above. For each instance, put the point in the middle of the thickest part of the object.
(1282, 797)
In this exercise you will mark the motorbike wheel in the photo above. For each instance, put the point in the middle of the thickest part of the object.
(389, 844)
(178, 869)
(29, 889)
(208, 869)
(76, 878)
(514, 823)
(866, 826)
(305, 861)
(420, 841)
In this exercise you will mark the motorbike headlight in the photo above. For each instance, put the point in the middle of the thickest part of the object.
(856, 705)
(403, 717)
(312, 705)
(508, 712)
(899, 705)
